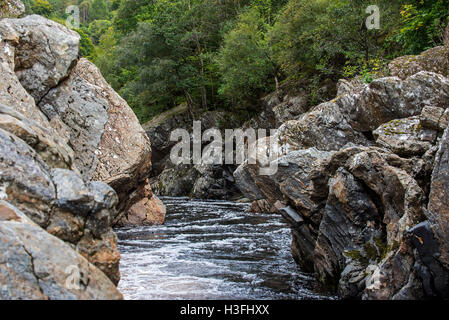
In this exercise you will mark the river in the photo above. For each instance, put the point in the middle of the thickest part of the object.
(211, 250)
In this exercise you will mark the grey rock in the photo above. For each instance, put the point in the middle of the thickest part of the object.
(52, 149)
(44, 53)
(434, 118)
(24, 179)
(433, 60)
(36, 265)
(437, 209)
(109, 143)
(405, 137)
(391, 98)
(325, 127)
(11, 8)
(350, 227)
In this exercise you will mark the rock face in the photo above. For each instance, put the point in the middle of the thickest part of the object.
(109, 143)
(149, 211)
(434, 60)
(36, 265)
(11, 8)
(362, 181)
(197, 181)
(73, 159)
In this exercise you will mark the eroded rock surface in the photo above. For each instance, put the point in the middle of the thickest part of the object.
(73, 159)
(35, 265)
(361, 180)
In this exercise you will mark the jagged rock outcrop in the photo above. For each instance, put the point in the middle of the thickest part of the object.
(362, 183)
(277, 110)
(434, 60)
(73, 159)
(71, 94)
(193, 180)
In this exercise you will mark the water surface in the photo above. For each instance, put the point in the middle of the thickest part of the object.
(211, 250)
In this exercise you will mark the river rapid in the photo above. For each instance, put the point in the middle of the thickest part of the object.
(211, 250)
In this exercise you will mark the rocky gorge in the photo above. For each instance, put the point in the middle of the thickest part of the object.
(74, 162)
(362, 179)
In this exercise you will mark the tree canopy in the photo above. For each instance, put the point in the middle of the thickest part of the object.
(228, 54)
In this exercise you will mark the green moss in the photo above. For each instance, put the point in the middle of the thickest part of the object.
(371, 251)
(357, 256)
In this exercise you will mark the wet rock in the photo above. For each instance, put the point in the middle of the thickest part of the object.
(175, 181)
(149, 211)
(260, 206)
(36, 265)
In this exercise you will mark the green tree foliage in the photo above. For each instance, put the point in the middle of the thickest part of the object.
(245, 61)
(87, 48)
(423, 22)
(226, 54)
(42, 7)
(98, 10)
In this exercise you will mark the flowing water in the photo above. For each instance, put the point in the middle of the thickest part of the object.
(211, 250)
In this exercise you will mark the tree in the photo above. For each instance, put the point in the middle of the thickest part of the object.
(98, 10)
(422, 25)
(246, 61)
(41, 7)
(87, 48)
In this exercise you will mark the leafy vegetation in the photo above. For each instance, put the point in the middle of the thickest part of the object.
(228, 54)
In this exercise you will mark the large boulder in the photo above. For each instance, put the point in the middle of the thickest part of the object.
(36, 265)
(148, 211)
(59, 201)
(43, 53)
(109, 143)
(433, 60)
(386, 99)
(46, 82)
(62, 130)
